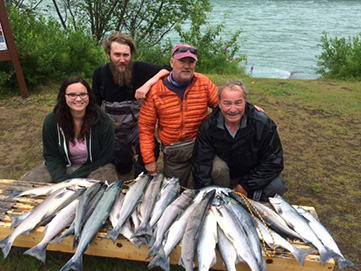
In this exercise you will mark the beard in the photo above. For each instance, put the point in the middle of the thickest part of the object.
(122, 78)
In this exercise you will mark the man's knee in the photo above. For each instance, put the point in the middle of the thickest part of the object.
(277, 186)
(106, 173)
(220, 172)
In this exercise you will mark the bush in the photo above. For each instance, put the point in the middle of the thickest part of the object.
(48, 53)
(341, 58)
(159, 54)
(216, 55)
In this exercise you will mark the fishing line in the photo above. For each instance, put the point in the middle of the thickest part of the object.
(248, 202)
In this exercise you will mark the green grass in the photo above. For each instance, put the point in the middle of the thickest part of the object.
(320, 128)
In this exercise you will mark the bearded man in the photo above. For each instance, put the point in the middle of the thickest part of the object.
(119, 87)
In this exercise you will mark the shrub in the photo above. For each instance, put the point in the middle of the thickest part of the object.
(47, 52)
(340, 58)
(216, 55)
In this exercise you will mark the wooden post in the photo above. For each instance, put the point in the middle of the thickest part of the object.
(8, 49)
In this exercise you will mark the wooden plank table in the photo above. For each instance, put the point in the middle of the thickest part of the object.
(124, 249)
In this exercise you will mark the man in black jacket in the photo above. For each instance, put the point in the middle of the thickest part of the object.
(239, 147)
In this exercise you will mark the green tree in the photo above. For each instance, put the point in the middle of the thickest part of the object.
(48, 52)
(147, 21)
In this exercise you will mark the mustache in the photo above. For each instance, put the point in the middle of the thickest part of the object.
(233, 113)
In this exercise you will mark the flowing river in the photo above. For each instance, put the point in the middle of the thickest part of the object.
(282, 35)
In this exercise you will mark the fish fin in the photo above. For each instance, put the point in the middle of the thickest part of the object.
(144, 230)
(151, 242)
(5, 246)
(14, 195)
(75, 241)
(38, 252)
(300, 254)
(343, 262)
(137, 243)
(325, 255)
(160, 261)
(17, 219)
(113, 234)
(76, 263)
(155, 250)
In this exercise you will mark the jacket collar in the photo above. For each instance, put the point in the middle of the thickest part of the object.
(163, 90)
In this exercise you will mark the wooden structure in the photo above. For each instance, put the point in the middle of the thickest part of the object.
(123, 249)
(9, 53)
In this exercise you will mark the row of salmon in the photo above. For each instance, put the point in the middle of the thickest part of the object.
(153, 211)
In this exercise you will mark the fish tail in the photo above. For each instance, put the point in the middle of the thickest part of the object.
(343, 262)
(76, 241)
(38, 252)
(113, 234)
(75, 263)
(5, 246)
(151, 241)
(160, 261)
(136, 242)
(325, 255)
(60, 239)
(154, 250)
(15, 220)
(301, 254)
(143, 230)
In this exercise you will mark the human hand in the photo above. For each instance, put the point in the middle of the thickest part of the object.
(241, 190)
(141, 92)
(152, 167)
(259, 109)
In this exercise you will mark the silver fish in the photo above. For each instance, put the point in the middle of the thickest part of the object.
(326, 238)
(114, 213)
(93, 224)
(299, 254)
(298, 223)
(272, 219)
(208, 238)
(227, 250)
(82, 209)
(191, 234)
(48, 189)
(62, 219)
(171, 214)
(126, 231)
(53, 203)
(93, 203)
(249, 225)
(236, 234)
(175, 234)
(147, 206)
(168, 193)
(133, 196)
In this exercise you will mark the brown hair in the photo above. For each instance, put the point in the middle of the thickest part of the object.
(63, 114)
(120, 38)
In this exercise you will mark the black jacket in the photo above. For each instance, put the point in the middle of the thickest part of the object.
(106, 89)
(254, 156)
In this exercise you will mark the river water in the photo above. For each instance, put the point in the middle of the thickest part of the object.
(282, 35)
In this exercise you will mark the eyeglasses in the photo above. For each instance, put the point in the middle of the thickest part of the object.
(184, 49)
(73, 96)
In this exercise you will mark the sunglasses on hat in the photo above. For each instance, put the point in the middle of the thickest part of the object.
(184, 49)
